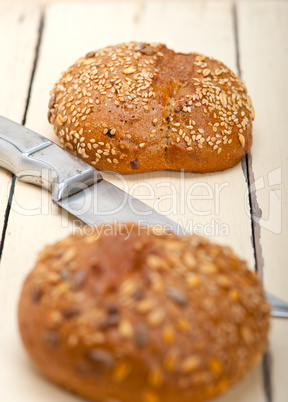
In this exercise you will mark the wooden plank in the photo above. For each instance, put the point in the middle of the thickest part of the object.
(279, 353)
(5, 185)
(18, 35)
(185, 27)
(263, 38)
(19, 25)
(270, 150)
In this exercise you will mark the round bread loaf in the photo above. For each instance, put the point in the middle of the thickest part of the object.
(142, 316)
(138, 107)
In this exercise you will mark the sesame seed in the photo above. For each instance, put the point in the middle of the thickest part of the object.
(223, 99)
(129, 70)
(242, 140)
(252, 112)
(59, 121)
(191, 363)
(206, 72)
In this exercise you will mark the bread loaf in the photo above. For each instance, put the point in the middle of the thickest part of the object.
(142, 316)
(138, 107)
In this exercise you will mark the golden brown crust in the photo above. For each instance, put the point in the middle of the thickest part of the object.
(148, 318)
(139, 107)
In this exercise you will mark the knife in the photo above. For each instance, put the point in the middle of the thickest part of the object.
(78, 187)
(75, 186)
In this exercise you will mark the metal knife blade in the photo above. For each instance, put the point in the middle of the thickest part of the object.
(103, 202)
(279, 307)
(79, 188)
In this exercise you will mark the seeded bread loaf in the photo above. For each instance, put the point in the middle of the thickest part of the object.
(138, 107)
(142, 316)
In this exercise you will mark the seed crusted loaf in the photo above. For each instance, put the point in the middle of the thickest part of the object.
(138, 107)
(149, 317)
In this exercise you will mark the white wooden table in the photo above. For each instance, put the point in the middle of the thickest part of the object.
(37, 44)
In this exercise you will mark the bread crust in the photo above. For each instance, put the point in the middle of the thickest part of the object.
(138, 107)
(149, 317)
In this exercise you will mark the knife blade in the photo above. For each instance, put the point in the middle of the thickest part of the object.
(78, 187)
(279, 307)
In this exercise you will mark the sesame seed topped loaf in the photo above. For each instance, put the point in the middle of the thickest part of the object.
(138, 107)
(149, 317)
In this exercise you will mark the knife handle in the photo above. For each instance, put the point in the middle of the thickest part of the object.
(35, 159)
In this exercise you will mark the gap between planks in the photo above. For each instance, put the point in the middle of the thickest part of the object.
(247, 167)
(23, 121)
